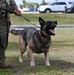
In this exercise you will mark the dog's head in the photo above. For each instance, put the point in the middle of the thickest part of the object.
(47, 27)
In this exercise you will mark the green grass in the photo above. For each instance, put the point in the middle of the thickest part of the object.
(61, 18)
(61, 56)
(4, 72)
(61, 52)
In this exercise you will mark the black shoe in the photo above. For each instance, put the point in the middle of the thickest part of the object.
(5, 66)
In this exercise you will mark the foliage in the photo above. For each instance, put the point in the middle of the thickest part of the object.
(24, 1)
(28, 4)
(20, 6)
(43, 2)
(35, 5)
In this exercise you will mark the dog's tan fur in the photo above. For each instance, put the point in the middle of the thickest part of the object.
(37, 41)
(30, 52)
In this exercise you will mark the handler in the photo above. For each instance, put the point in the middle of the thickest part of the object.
(4, 28)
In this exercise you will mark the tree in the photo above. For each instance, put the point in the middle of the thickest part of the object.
(43, 2)
(24, 1)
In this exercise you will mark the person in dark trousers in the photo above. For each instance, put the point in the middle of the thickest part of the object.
(4, 28)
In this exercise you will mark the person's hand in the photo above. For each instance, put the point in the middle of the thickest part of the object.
(0, 6)
(17, 12)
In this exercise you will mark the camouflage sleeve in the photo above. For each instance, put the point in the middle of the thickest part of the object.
(13, 4)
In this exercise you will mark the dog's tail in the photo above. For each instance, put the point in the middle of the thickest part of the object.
(16, 32)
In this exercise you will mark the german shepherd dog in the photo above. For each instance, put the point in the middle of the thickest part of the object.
(37, 41)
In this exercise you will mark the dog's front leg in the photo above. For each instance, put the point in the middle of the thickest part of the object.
(47, 58)
(30, 54)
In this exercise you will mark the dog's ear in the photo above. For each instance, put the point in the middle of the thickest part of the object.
(56, 22)
(41, 21)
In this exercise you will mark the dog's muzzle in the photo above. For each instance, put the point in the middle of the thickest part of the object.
(52, 32)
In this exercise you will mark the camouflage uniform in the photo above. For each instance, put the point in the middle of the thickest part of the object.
(5, 26)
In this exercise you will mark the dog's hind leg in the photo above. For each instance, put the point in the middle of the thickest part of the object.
(22, 48)
(30, 54)
(47, 58)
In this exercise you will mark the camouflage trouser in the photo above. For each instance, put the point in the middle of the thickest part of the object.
(3, 39)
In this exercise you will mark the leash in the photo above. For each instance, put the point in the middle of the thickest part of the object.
(29, 21)
(22, 17)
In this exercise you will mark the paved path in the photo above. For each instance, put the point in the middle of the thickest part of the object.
(20, 27)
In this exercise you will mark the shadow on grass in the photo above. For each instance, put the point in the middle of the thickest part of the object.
(62, 65)
(56, 65)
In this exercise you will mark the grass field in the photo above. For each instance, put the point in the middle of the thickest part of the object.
(61, 56)
(61, 18)
(61, 51)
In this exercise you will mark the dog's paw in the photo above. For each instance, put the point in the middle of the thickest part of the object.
(20, 60)
(32, 64)
(48, 65)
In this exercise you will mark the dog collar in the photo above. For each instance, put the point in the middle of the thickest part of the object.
(44, 34)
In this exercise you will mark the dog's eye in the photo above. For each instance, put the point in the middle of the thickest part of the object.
(52, 24)
(55, 22)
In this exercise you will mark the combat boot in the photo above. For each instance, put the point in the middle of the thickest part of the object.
(5, 66)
